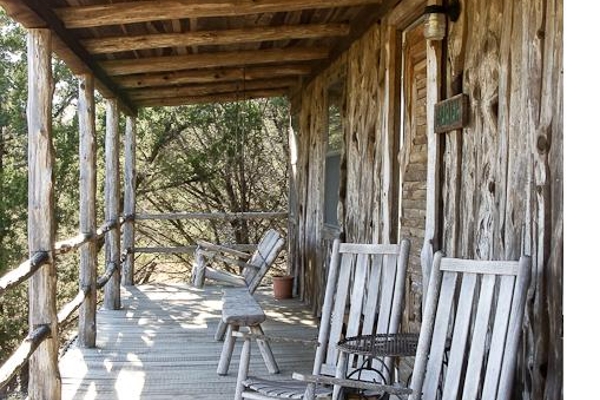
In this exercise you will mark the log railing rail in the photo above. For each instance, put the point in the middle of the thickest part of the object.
(27, 268)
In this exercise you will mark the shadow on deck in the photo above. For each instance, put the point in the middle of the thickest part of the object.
(161, 346)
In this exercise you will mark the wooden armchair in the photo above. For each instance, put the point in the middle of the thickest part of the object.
(364, 294)
(253, 266)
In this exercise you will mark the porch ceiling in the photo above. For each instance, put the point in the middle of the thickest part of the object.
(174, 52)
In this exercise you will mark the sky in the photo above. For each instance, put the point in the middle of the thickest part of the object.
(582, 204)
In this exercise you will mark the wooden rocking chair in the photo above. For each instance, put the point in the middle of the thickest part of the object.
(475, 307)
(364, 295)
(254, 267)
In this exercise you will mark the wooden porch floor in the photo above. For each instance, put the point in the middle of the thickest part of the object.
(161, 346)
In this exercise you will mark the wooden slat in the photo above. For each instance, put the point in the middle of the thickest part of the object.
(374, 282)
(200, 76)
(214, 37)
(507, 375)
(359, 248)
(357, 295)
(440, 333)
(212, 60)
(339, 309)
(478, 341)
(459, 336)
(143, 11)
(478, 267)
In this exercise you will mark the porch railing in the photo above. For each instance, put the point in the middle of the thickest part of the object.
(29, 267)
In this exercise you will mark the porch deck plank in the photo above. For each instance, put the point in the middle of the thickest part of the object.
(161, 346)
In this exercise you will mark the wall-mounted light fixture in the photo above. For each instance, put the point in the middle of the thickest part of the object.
(435, 19)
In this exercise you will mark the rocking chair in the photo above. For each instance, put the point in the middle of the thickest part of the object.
(364, 294)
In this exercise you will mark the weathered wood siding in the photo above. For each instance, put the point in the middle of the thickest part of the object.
(361, 181)
(500, 177)
(503, 173)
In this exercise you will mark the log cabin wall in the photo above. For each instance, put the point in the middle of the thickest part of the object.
(360, 72)
(500, 176)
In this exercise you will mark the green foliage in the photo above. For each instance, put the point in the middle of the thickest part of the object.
(212, 158)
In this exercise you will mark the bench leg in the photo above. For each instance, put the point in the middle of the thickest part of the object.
(220, 333)
(227, 350)
(265, 350)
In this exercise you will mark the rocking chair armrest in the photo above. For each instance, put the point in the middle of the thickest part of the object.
(211, 255)
(276, 339)
(211, 247)
(352, 383)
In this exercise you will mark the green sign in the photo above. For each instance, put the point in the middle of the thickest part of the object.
(451, 114)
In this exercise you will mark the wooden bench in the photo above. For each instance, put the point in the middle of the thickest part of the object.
(241, 309)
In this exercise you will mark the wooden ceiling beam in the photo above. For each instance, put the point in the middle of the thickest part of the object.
(153, 10)
(214, 37)
(207, 89)
(212, 60)
(211, 75)
(215, 98)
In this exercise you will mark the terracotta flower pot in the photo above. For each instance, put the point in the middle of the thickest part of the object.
(283, 286)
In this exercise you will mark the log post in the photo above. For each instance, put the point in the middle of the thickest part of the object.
(129, 206)
(44, 376)
(432, 238)
(112, 295)
(88, 261)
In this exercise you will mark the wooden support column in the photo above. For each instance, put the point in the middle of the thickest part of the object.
(112, 294)
(129, 206)
(88, 261)
(44, 376)
(432, 218)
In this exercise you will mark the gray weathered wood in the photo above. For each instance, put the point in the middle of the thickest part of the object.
(129, 199)
(44, 378)
(432, 224)
(23, 271)
(166, 347)
(241, 309)
(353, 297)
(22, 354)
(88, 260)
(112, 297)
(492, 347)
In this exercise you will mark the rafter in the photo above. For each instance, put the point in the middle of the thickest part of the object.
(216, 98)
(214, 37)
(212, 60)
(143, 11)
(207, 89)
(215, 75)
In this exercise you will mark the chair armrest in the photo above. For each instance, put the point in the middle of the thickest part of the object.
(224, 249)
(352, 383)
(224, 276)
